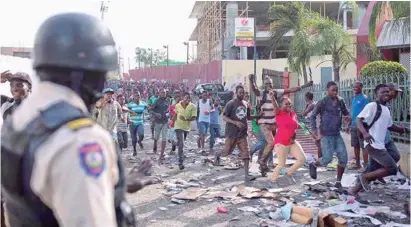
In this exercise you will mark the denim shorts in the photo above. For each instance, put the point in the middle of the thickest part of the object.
(203, 127)
(331, 144)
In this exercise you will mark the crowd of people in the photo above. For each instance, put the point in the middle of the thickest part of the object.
(274, 123)
(55, 156)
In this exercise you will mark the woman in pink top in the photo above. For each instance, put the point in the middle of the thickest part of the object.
(284, 140)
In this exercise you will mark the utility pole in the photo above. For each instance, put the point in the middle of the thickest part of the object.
(103, 8)
(166, 47)
(188, 49)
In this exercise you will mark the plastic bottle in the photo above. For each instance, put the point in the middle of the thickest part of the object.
(304, 127)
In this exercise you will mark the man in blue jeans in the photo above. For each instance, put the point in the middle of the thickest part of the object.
(137, 108)
(215, 128)
(204, 108)
(331, 109)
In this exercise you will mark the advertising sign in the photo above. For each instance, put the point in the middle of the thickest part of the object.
(244, 32)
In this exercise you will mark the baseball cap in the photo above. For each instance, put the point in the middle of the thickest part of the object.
(20, 76)
(108, 90)
(394, 86)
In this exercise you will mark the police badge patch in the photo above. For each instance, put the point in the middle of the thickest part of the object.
(92, 159)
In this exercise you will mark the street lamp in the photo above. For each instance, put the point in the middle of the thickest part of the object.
(151, 57)
(166, 47)
(188, 46)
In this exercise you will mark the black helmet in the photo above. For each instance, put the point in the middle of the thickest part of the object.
(75, 41)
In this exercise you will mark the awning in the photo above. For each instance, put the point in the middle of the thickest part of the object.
(394, 35)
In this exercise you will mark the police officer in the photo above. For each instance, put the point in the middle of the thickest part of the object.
(60, 168)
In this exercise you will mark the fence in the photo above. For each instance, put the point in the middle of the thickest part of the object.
(191, 74)
(400, 107)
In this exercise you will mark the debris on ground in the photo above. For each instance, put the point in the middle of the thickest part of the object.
(190, 194)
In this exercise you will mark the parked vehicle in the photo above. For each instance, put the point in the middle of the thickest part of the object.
(217, 91)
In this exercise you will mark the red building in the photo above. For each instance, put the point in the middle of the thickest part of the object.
(392, 43)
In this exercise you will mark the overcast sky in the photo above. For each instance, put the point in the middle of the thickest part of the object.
(143, 23)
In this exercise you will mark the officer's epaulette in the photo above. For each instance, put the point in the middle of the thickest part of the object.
(80, 123)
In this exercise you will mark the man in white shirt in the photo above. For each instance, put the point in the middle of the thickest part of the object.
(378, 116)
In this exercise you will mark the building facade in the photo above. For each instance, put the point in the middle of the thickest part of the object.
(22, 52)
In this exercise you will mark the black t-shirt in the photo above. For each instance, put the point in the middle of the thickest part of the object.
(161, 107)
(238, 111)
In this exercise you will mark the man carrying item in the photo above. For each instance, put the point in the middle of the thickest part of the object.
(122, 123)
(67, 166)
(331, 108)
(137, 108)
(236, 113)
(160, 112)
(185, 114)
(373, 123)
(359, 101)
(267, 121)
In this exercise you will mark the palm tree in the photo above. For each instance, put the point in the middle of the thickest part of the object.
(333, 39)
(400, 18)
(292, 17)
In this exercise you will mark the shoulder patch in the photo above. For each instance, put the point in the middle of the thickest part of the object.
(80, 123)
(92, 159)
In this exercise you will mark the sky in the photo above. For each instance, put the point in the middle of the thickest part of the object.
(134, 23)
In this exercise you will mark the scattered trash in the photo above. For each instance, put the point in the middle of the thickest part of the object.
(248, 209)
(276, 215)
(348, 180)
(178, 201)
(235, 219)
(190, 194)
(220, 194)
(221, 210)
(163, 208)
(286, 211)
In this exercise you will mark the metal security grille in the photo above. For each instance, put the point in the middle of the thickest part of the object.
(405, 60)
(276, 76)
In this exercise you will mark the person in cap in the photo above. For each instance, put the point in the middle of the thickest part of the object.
(60, 168)
(394, 90)
(267, 120)
(109, 113)
(20, 88)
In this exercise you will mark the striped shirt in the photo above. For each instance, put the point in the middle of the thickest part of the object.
(139, 110)
(267, 107)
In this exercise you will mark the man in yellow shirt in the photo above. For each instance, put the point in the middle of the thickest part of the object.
(185, 113)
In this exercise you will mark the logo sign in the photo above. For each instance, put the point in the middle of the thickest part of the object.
(244, 32)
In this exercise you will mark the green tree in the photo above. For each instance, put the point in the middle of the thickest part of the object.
(378, 68)
(400, 21)
(287, 17)
(333, 39)
(146, 57)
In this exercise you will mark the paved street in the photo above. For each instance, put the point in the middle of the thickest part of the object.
(384, 204)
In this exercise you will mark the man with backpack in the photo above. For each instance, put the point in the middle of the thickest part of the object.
(331, 108)
(373, 123)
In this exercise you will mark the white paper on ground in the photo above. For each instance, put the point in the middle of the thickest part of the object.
(348, 180)
(393, 224)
